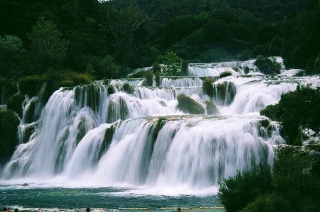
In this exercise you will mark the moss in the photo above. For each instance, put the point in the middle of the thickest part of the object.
(207, 86)
(128, 88)
(224, 92)
(111, 90)
(265, 123)
(117, 110)
(211, 108)
(31, 85)
(225, 74)
(8, 134)
(82, 130)
(188, 105)
(77, 78)
(108, 136)
(15, 103)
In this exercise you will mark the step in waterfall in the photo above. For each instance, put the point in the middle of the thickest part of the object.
(90, 135)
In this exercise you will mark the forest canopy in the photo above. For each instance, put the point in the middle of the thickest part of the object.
(114, 37)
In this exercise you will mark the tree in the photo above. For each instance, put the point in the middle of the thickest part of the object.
(123, 19)
(10, 50)
(47, 47)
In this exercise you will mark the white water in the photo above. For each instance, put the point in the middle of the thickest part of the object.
(86, 136)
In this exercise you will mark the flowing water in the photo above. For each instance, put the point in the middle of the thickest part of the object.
(92, 146)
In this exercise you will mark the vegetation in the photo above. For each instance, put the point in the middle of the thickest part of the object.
(225, 74)
(292, 185)
(9, 122)
(189, 105)
(207, 86)
(267, 65)
(296, 111)
(237, 192)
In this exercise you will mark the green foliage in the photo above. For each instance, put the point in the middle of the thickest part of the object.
(10, 53)
(171, 65)
(225, 74)
(189, 105)
(30, 85)
(293, 184)
(296, 110)
(267, 65)
(207, 86)
(47, 47)
(111, 90)
(128, 88)
(8, 133)
(316, 65)
(184, 67)
(15, 104)
(269, 203)
(148, 78)
(237, 192)
(297, 177)
(224, 92)
(156, 68)
(8, 88)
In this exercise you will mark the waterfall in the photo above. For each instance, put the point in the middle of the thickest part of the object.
(101, 135)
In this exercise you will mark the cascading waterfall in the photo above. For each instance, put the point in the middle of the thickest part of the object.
(105, 138)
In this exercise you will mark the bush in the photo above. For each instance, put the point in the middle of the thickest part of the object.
(7, 89)
(188, 105)
(184, 67)
(297, 177)
(225, 74)
(303, 101)
(31, 85)
(127, 88)
(111, 90)
(269, 203)
(15, 103)
(148, 79)
(267, 65)
(8, 134)
(207, 86)
(237, 192)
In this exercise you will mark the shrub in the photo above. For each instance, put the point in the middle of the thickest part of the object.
(184, 67)
(128, 88)
(207, 86)
(15, 103)
(237, 192)
(77, 78)
(225, 74)
(31, 85)
(110, 90)
(297, 177)
(303, 101)
(8, 133)
(189, 105)
(267, 65)
(269, 203)
(7, 89)
(148, 78)
(156, 68)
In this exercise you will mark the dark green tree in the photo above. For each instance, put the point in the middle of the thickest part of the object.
(47, 47)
